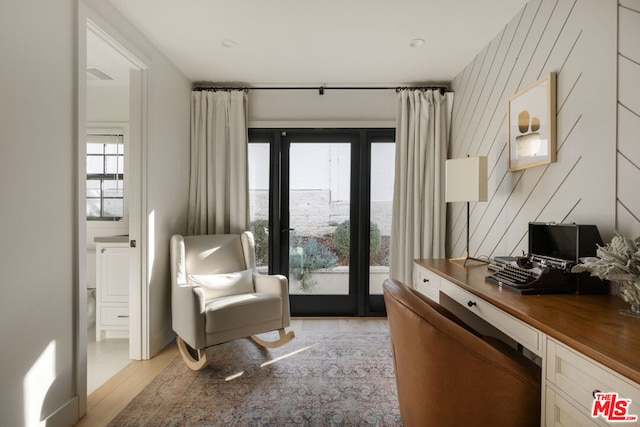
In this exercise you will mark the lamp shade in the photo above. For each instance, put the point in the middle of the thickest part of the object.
(466, 179)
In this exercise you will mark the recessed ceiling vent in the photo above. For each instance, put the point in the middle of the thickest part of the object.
(97, 74)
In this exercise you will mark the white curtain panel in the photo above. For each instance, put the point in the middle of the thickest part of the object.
(419, 210)
(219, 184)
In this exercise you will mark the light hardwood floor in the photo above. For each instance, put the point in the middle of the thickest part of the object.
(110, 398)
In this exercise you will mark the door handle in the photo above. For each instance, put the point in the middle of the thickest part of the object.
(287, 230)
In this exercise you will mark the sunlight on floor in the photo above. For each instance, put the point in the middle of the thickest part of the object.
(104, 359)
(269, 362)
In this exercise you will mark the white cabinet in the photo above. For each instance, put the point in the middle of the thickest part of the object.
(561, 413)
(112, 289)
(571, 381)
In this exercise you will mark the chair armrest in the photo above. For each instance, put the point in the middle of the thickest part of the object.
(275, 284)
(187, 314)
(187, 301)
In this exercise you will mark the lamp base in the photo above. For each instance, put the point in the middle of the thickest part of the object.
(466, 257)
(462, 261)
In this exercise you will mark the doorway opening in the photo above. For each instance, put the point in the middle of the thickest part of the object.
(110, 190)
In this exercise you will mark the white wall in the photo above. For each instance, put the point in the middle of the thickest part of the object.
(38, 283)
(577, 40)
(336, 108)
(108, 103)
(628, 174)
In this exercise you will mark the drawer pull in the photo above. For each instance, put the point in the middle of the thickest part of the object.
(471, 303)
(425, 280)
(122, 316)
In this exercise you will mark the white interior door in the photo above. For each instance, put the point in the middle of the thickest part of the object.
(137, 303)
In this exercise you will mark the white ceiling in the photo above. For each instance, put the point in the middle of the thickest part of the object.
(328, 42)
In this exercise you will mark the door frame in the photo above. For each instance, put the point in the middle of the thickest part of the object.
(89, 20)
(364, 303)
(316, 305)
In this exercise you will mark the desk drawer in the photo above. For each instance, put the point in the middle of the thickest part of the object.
(114, 316)
(522, 333)
(426, 282)
(559, 412)
(578, 377)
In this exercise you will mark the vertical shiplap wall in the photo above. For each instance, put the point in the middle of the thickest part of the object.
(628, 197)
(577, 40)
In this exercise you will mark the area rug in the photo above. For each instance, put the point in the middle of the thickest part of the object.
(318, 379)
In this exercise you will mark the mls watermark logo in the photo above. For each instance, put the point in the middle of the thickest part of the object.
(612, 408)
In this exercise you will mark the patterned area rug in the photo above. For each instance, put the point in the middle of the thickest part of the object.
(318, 379)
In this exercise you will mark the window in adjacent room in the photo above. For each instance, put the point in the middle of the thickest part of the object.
(105, 176)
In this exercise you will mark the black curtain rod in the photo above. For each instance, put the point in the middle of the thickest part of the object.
(321, 89)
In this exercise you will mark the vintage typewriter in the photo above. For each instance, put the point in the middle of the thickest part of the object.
(534, 274)
(553, 251)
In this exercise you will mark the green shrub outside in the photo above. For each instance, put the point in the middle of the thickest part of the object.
(342, 238)
(260, 230)
(306, 255)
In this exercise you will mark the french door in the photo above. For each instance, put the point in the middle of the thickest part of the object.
(313, 196)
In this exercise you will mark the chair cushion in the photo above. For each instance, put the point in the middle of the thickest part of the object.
(236, 311)
(222, 285)
(213, 254)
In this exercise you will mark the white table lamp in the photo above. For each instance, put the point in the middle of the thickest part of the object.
(466, 181)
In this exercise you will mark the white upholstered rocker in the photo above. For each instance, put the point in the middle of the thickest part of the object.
(217, 295)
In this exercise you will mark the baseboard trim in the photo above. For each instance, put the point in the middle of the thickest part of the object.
(67, 415)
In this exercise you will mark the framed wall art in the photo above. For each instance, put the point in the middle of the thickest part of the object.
(531, 125)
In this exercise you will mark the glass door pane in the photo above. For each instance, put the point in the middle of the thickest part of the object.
(382, 176)
(319, 207)
(259, 201)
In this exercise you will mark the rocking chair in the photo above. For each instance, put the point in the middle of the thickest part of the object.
(217, 295)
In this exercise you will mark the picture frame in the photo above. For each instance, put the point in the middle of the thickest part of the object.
(531, 125)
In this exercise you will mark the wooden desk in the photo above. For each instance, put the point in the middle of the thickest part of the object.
(584, 342)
